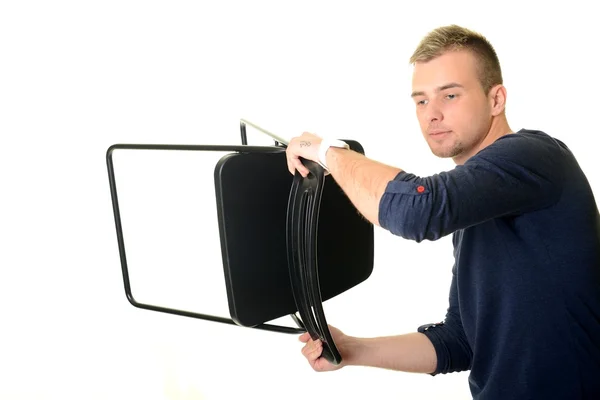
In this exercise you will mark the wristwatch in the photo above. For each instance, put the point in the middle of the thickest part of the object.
(326, 143)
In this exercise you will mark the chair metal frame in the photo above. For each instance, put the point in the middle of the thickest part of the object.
(279, 146)
(301, 240)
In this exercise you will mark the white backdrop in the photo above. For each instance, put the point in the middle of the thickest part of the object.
(77, 77)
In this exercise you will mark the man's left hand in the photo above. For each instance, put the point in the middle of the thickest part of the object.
(305, 146)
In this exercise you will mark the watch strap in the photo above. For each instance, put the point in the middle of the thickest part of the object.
(326, 143)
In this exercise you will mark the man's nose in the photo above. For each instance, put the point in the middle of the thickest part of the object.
(433, 112)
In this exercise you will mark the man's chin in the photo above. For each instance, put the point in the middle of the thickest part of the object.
(442, 153)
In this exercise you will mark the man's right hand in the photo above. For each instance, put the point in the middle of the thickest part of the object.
(313, 349)
(410, 352)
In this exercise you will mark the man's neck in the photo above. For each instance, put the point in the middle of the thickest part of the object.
(498, 128)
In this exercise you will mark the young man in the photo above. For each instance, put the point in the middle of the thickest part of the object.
(524, 304)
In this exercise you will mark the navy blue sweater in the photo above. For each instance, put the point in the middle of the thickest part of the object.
(524, 304)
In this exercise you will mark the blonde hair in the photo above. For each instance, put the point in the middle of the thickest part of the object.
(455, 38)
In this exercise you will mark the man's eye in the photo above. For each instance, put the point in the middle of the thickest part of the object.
(421, 102)
(451, 96)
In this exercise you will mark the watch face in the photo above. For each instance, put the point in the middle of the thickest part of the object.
(340, 144)
(326, 144)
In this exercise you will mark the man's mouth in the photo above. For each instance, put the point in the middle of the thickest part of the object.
(438, 133)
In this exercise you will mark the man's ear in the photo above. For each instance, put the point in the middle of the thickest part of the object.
(497, 97)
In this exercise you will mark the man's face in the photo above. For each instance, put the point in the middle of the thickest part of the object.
(453, 111)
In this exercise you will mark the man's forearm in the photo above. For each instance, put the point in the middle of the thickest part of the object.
(411, 352)
(362, 179)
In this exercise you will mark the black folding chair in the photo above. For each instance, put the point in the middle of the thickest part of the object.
(288, 243)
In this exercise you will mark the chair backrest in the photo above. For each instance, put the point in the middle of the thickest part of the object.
(252, 194)
(302, 235)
